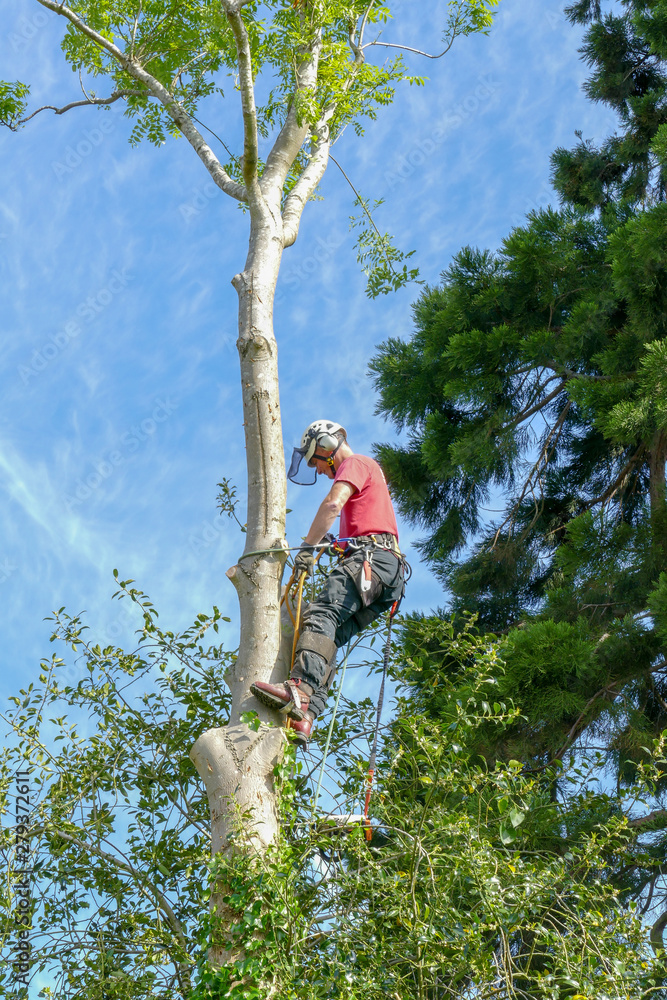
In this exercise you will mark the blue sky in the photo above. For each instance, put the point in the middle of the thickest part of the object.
(121, 407)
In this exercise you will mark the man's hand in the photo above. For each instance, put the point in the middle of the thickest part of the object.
(304, 560)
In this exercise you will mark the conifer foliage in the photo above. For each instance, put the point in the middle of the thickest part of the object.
(534, 392)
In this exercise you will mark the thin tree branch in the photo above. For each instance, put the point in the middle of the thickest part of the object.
(581, 375)
(652, 884)
(543, 459)
(408, 48)
(657, 942)
(364, 21)
(183, 69)
(249, 110)
(232, 157)
(83, 89)
(364, 205)
(173, 108)
(134, 28)
(640, 62)
(117, 94)
(359, 57)
(537, 406)
(357, 195)
(652, 817)
(606, 692)
(618, 482)
(59, 8)
(141, 878)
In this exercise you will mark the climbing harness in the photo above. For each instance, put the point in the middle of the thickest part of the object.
(368, 833)
(343, 548)
(335, 546)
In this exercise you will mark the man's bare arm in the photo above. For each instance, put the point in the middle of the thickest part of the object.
(329, 510)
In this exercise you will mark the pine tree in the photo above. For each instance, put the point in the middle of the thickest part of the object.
(534, 391)
(626, 52)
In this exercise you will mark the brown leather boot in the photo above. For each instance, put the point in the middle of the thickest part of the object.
(291, 698)
(301, 729)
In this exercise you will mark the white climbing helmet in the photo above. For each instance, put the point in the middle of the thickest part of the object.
(319, 434)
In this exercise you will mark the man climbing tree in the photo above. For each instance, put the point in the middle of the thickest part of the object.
(440, 913)
(369, 580)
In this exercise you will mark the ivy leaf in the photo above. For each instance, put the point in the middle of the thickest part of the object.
(507, 835)
(516, 817)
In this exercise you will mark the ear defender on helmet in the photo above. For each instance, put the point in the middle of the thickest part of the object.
(327, 442)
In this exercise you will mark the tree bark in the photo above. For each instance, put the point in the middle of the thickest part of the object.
(236, 763)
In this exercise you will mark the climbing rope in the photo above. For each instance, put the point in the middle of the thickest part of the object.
(330, 730)
(296, 616)
(368, 833)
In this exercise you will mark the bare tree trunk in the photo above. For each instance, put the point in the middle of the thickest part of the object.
(235, 762)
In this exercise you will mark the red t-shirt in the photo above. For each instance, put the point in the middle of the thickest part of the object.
(369, 510)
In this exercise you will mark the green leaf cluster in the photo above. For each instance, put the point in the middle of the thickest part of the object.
(173, 64)
(477, 880)
(119, 825)
(13, 102)
(381, 261)
(191, 50)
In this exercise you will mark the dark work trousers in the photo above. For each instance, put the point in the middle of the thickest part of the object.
(339, 611)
